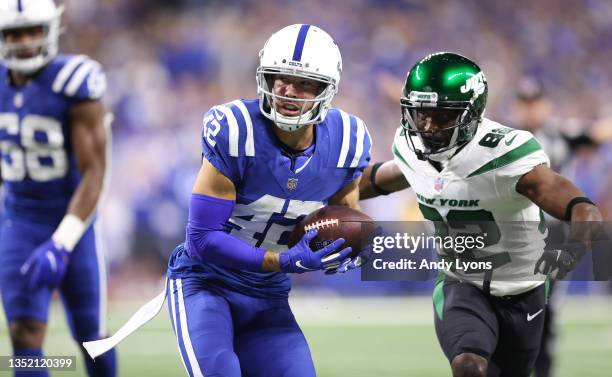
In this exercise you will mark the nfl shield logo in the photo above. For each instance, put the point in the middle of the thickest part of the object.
(438, 184)
(292, 184)
(18, 100)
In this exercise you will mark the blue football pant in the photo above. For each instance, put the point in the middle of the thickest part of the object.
(83, 290)
(221, 332)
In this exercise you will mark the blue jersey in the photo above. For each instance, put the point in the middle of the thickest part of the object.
(38, 167)
(272, 196)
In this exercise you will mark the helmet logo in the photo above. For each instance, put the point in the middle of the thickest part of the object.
(475, 83)
(430, 97)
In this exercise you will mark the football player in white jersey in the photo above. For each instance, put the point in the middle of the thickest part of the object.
(469, 170)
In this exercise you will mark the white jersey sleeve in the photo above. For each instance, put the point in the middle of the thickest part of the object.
(522, 155)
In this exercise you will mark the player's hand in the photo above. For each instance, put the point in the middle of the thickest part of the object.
(351, 263)
(301, 258)
(357, 261)
(347, 265)
(557, 263)
(46, 266)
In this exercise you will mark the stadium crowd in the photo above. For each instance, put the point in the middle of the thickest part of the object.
(168, 62)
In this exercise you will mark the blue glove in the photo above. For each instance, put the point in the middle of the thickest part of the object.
(46, 266)
(301, 258)
(355, 262)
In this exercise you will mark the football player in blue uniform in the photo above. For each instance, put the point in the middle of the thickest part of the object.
(266, 164)
(53, 158)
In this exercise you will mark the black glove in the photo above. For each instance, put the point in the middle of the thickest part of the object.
(558, 262)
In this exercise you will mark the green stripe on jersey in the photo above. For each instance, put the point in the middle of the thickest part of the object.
(525, 149)
(546, 289)
(397, 153)
(542, 225)
(438, 295)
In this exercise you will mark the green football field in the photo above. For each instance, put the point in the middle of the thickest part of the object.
(357, 337)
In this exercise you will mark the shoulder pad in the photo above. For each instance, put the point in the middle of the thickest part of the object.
(76, 76)
(508, 149)
(400, 150)
(231, 126)
(227, 136)
(350, 141)
(496, 138)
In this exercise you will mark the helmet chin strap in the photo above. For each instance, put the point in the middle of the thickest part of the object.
(27, 66)
(291, 124)
(443, 156)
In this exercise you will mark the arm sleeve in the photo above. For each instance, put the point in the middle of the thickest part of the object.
(207, 239)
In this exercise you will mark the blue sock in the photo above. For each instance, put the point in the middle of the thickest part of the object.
(29, 352)
(103, 366)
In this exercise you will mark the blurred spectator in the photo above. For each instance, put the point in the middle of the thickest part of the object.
(533, 111)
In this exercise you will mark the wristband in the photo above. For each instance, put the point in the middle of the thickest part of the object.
(377, 188)
(69, 232)
(572, 203)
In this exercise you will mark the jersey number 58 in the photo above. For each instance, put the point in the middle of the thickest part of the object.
(39, 153)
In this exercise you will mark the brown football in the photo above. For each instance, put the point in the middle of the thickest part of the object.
(333, 222)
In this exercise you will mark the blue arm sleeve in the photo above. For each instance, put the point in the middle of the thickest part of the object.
(207, 238)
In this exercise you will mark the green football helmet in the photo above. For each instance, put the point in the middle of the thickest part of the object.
(443, 103)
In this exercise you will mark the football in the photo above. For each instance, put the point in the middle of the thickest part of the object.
(335, 222)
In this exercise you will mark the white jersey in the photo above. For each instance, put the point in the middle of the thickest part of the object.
(478, 185)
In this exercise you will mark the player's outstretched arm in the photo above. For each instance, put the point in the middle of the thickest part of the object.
(381, 178)
(560, 198)
(210, 208)
(553, 192)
